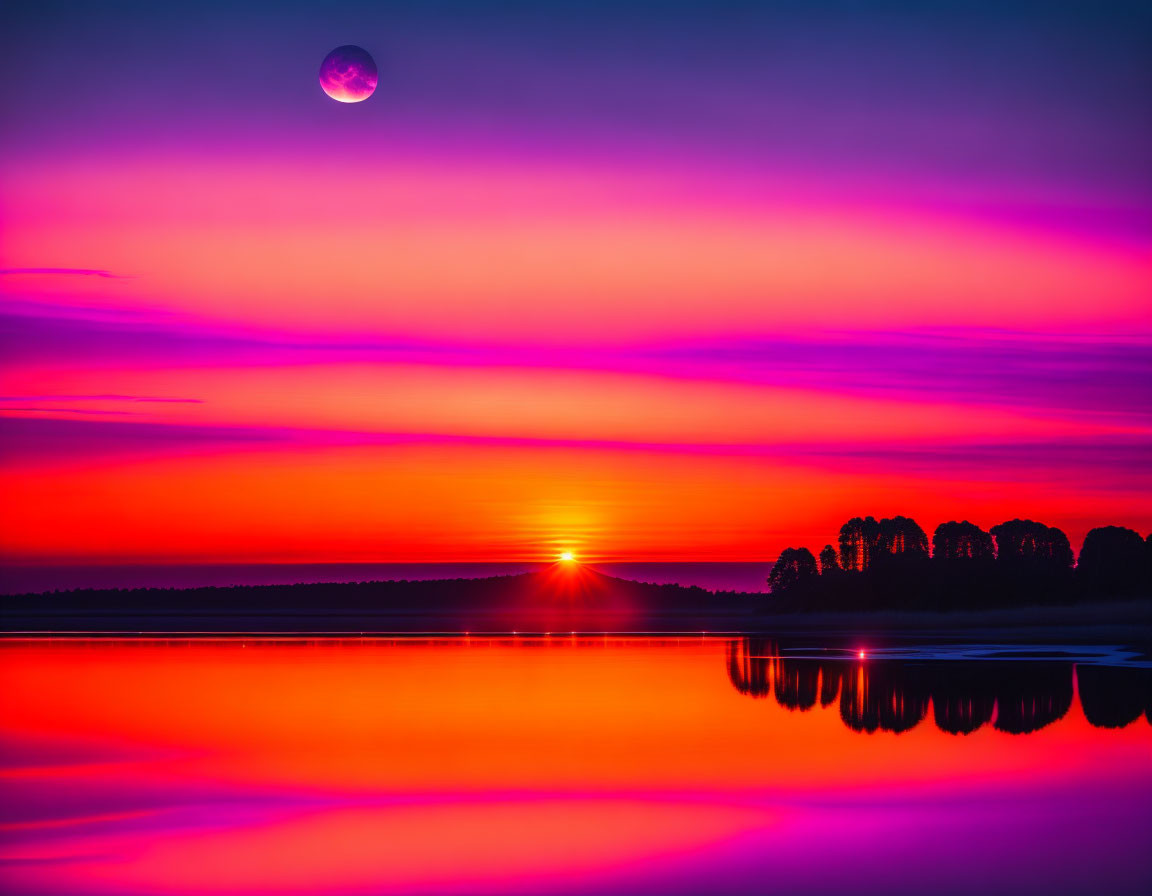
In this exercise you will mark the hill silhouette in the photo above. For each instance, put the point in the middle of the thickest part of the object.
(562, 597)
(887, 579)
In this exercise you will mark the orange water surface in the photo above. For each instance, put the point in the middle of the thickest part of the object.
(567, 764)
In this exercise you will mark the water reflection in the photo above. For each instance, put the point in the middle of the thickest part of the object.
(1015, 696)
(1114, 697)
(563, 765)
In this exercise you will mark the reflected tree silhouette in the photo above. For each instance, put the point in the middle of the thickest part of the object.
(963, 697)
(1032, 695)
(1114, 696)
(882, 696)
(1013, 696)
(831, 683)
(748, 662)
(756, 669)
(797, 684)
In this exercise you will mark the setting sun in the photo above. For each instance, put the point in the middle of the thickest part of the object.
(567, 557)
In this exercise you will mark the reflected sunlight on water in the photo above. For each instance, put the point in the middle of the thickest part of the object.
(568, 765)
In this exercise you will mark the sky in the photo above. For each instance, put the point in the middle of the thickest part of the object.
(643, 282)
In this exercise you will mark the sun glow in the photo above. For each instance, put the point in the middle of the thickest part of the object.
(567, 557)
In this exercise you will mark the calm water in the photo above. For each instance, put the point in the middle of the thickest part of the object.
(575, 766)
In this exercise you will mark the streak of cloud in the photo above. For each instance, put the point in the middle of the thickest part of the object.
(77, 272)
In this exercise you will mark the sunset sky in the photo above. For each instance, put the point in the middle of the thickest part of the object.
(696, 283)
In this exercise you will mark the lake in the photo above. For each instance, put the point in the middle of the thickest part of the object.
(572, 765)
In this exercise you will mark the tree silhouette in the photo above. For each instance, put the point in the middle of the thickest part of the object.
(795, 568)
(829, 564)
(1113, 561)
(886, 564)
(549, 599)
(901, 536)
(1148, 560)
(962, 541)
(858, 543)
(1027, 543)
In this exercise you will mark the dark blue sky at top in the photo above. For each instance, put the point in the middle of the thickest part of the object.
(1051, 94)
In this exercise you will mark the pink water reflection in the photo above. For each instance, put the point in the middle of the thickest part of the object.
(595, 765)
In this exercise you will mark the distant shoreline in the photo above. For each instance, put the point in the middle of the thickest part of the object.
(30, 578)
(530, 605)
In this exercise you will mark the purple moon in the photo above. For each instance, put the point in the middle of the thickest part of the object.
(348, 74)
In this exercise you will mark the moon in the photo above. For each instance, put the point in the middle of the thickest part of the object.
(348, 74)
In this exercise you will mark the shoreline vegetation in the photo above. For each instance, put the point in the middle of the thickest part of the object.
(1019, 577)
(887, 565)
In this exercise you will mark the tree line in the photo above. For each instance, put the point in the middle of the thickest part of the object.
(888, 563)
